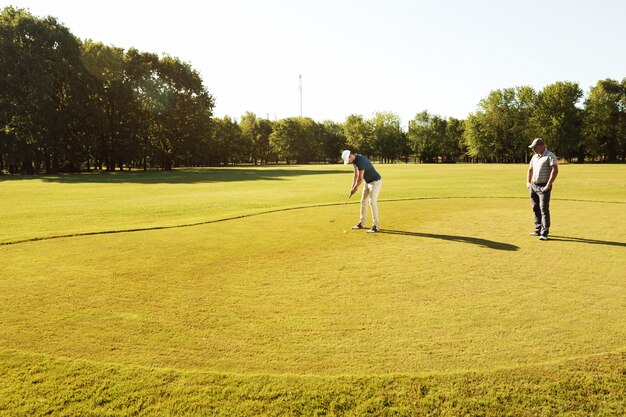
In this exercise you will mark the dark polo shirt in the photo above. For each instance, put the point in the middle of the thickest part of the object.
(364, 164)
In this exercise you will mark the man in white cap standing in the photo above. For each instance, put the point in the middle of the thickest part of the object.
(364, 171)
(542, 171)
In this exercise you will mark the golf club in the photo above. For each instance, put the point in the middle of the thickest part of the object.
(340, 209)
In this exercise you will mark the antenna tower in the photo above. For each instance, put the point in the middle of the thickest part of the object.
(300, 85)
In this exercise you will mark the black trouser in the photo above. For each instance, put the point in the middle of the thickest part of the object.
(541, 208)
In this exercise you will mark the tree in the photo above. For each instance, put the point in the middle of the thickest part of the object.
(41, 92)
(476, 138)
(226, 137)
(187, 114)
(498, 131)
(65, 104)
(261, 149)
(309, 143)
(526, 125)
(388, 139)
(151, 98)
(333, 140)
(256, 134)
(454, 145)
(249, 131)
(359, 134)
(605, 121)
(427, 135)
(283, 138)
(558, 118)
(18, 127)
(117, 103)
(296, 139)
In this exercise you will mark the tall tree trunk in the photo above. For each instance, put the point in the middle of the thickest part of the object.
(27, 167)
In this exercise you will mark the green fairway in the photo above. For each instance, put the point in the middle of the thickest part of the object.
(451, 309)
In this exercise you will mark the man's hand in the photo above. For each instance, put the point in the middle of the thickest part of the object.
(352, 191)
(528, 184)
(547, 187)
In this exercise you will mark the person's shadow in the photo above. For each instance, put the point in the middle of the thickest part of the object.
(463, 239)
(584, 240)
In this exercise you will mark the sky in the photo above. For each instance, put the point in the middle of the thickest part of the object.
(361, 57)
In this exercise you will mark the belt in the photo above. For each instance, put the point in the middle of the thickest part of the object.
(543, 184)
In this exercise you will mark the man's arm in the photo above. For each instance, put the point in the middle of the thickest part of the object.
(529, 176)
(357, 179)
(553, 173)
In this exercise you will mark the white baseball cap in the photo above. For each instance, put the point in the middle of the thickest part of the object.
(537, 141)
(345, 155)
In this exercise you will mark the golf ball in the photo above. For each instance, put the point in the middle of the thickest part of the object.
(344, 231)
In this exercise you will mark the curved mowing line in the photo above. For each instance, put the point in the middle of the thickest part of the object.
(244, 216)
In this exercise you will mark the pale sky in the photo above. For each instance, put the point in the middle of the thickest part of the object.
(362, 56)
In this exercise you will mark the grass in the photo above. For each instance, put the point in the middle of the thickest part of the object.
(593, 386)
(79, 203)
(453, 310)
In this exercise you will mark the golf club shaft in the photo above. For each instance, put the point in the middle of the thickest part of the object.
(341, 208)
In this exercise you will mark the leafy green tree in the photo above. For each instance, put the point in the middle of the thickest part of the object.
(476, 138)
(17, 124)
(454, 145)
(283, 139)
(296, 139)
(558, 118)
(333, 140)
(41, 95)
(256, 134)
(498, 131)
(359, 134)
(310, 141)
(249, 131)
(226, 136)
(526, 126)
(188, 111)
(116, 134)
(62, 104)
(261, 149)
(66, 104)
(388, 138)
(605, 121)
(427, 135)
(151, 99)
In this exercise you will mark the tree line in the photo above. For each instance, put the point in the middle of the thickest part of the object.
(68, 104)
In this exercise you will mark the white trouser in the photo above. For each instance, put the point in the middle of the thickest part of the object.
(370, 194)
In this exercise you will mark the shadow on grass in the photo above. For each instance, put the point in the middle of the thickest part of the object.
(588, 241)
(178, 176)
(462, 239)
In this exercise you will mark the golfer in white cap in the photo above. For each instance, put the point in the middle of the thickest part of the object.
(364, 171)
(542, 171)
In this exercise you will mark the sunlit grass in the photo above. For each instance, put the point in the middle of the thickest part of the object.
(453, 309)
(57, 205)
